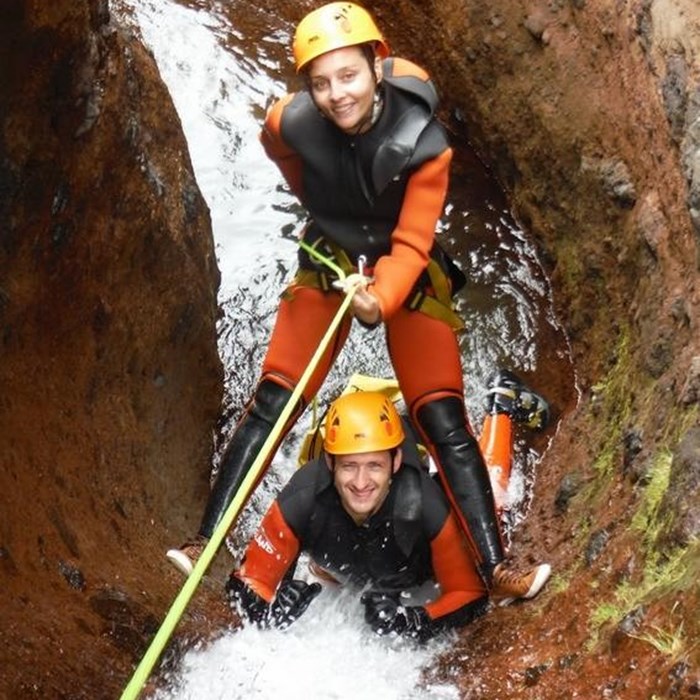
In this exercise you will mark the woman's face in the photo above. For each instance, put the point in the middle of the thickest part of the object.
(343, 85)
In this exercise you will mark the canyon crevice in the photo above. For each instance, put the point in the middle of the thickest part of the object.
(588, 113)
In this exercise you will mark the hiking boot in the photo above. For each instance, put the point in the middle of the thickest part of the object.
(185, 557)
(509, 395)
(509, 585)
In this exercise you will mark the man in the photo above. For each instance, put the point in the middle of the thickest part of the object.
(367, 513)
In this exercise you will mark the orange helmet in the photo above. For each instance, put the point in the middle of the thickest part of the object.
(335, 26)
(364, 421)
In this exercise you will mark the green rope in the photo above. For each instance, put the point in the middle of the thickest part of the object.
(328, 262)
(158, 643)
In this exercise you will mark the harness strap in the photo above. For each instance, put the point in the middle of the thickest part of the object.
(310, 278)
(433, 299)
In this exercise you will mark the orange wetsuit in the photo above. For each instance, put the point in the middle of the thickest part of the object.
(411, 539)
(366, 200)
(378, 194)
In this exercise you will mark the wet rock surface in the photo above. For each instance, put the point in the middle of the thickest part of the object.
(108, 364)
(110, 381)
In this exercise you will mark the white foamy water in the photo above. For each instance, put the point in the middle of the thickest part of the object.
(326, 654)
(220, 96)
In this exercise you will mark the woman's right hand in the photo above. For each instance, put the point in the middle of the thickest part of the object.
(365, 307)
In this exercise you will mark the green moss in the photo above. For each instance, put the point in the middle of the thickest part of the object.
(572, 272)
(582, 532)
(660, 577)
(607, 612)
(618, 404)
(646, 519)
(679, 424)
(558, 583)
(662, 572)
(669, 643)
(611, 405)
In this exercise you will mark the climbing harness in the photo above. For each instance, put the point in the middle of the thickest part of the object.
(432, 293)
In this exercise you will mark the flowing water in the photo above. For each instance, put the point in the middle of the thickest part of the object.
(224, 63)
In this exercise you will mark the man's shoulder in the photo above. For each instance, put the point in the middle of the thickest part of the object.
(417, 485)
(299, 499)
(422, 496)
(419, 507)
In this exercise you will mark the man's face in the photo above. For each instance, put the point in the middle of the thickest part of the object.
(363, 481)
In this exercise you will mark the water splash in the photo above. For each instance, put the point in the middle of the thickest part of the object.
(220, 83)
(327, 654)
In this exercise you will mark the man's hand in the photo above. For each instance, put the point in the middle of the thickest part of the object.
(382, 612)
(385, 615)
(291, 602)
(246, 601)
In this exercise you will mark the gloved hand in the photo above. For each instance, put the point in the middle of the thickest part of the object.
(292, 599)
(246, 601)
(382, 611)
(385, 615)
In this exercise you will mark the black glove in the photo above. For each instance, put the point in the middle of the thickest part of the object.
(382, 611)
(292, 599)
(246, 601)
(385, 615)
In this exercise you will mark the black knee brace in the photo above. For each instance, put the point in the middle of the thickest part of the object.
(251, 433)
(464, 473)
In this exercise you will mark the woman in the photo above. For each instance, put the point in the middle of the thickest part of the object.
(362, 150)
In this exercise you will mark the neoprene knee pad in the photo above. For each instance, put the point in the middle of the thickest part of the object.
(444, 420)
(269, 400)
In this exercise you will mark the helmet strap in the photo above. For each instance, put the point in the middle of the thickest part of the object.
(377, 105)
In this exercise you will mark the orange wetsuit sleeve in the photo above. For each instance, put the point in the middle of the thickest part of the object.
(286, 159)
(414, 235)
(455, 571)
(269, 554)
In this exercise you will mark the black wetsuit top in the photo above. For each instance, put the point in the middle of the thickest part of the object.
(390, 549)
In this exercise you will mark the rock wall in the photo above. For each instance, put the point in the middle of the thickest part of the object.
(109, 376)
(588, 113)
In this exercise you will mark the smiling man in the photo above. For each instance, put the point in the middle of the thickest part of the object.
(368, 514)
(363, 481)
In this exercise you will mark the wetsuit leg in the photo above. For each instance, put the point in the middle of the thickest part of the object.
(425, 355)
(496, 444)
(444, 425)
(303, 318)
(251, 433)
